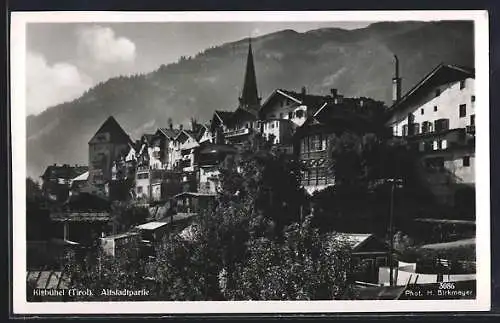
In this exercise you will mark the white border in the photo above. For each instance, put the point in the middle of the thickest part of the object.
(18, 123)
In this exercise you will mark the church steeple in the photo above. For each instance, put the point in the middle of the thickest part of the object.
(249, 99)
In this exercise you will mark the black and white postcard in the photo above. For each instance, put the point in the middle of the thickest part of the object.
(250, 162)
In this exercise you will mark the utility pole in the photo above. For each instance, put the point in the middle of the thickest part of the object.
(393, 182)
(391, 235)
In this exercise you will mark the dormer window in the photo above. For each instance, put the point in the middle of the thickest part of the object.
(299, 113)
(438, 92)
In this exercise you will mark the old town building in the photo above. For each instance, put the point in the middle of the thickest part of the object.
(437, 118)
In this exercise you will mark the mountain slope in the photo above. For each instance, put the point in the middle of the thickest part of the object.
(357, 62)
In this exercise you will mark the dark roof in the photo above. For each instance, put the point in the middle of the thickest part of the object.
(224, 116)
(169, 133)
(201, 131)
(117, 134)
(63, 171)
(313, 102)
(443, 73)
(306, 99)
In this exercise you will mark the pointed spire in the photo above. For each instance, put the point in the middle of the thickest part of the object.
(249, 99)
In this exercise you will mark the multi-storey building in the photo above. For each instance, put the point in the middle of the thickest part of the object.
(284, 111)
(437, 117)
(109, 143)
(57, 181)
(332, 116)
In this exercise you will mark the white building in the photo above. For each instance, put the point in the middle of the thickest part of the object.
(437, 117)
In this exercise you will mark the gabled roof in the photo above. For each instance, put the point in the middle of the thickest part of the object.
(82, 177)
(442, 74)
(203, 128)
(169, 133)
(117, 134)
(311, 101)
(224, 116)
(63, 171)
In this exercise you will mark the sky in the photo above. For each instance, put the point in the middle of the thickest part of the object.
(65, 59)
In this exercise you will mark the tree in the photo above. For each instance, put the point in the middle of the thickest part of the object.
(127, 215)
(98, 271)
(305, 266)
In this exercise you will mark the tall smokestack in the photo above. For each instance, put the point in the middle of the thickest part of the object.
(396, 82)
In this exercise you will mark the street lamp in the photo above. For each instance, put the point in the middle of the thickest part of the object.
(395, 182)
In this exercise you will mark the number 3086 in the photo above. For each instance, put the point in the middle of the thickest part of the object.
(446, 285)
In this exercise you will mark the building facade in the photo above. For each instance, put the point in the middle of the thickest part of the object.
(437, 117)
(109, 143)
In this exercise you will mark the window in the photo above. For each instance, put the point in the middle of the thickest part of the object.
(422, 111)
(139, 189)
(438, 92)
(462, 84)
(395, 130)
(426, 127)
(466, 161)
(272, 125)
(290, 115)
(462, 110)
(441, 125)
(435, 108)
(281, 115)
(299, 113)
(473, 98)
(472, 119)
(444, 144)
(435, 145)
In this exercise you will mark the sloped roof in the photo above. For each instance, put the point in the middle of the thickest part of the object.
(64, 171)
(117, 134)
(312, 101)
(441, 74)
(169, 133)
(224, 116)
(82, 177)
(201, 132)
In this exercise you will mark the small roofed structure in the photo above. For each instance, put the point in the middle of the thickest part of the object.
(152, 232)
(368, 254)
(113, 244)
(193, 202)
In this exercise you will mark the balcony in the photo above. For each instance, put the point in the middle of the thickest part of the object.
(238, 132)
(313, 154)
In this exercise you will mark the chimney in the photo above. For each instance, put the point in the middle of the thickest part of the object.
(303, 90)
(333, 92)
(181, 127)
(396, 82)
